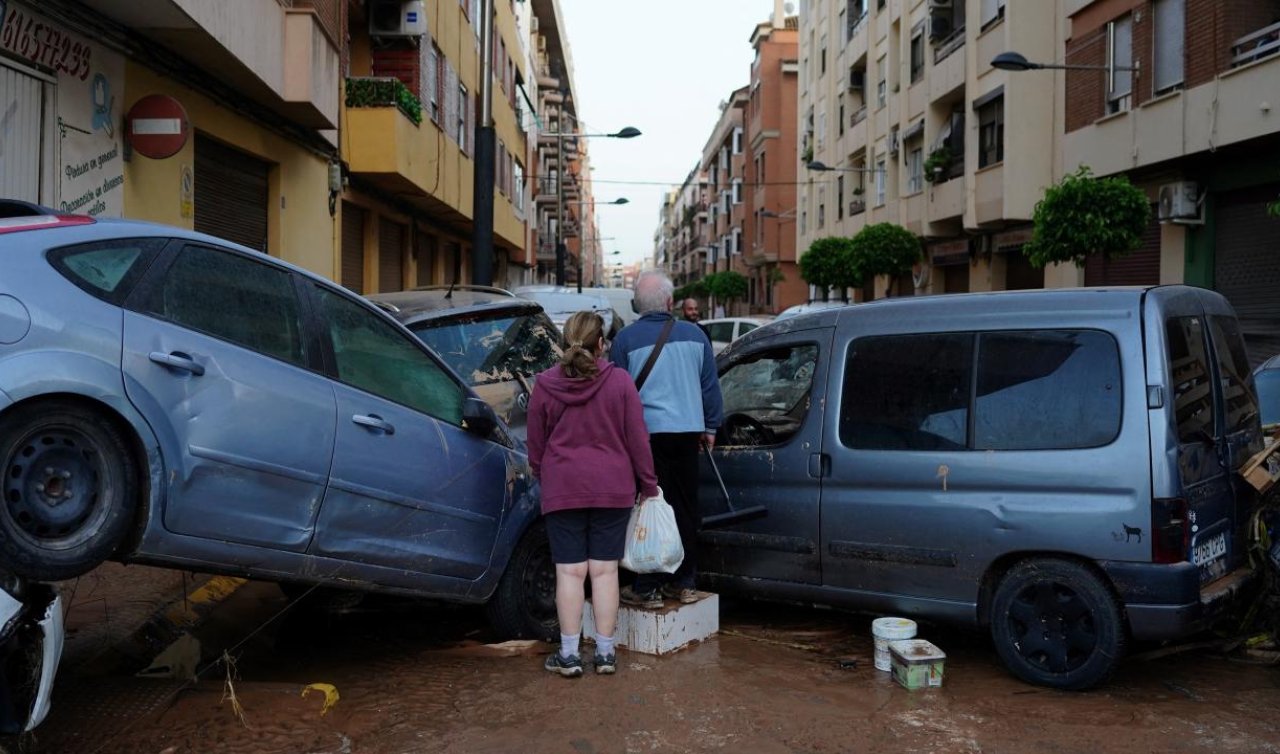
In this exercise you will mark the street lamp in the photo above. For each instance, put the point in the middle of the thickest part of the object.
(629, 132)
(823, 167)
(559, 232)
(1017, 62)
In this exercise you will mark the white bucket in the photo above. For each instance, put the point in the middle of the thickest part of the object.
(885, 630)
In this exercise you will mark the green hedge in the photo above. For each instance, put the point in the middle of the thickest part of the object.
(384, 92)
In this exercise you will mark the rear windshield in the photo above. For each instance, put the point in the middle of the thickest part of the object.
(107, 269)
(493, 346)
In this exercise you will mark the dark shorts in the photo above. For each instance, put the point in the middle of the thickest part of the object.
(587, 533)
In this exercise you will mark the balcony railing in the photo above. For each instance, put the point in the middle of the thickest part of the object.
(1262, 43)
(857, 207)
(858, 116)
(951, 43)
(855, 26)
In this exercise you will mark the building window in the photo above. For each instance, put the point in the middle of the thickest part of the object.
(840, 197)
(1170, 34)
(822, 215)
(1120, 84)
(737, 191)
(917, 55)
(880, 181)
(737, 140)
(991, 11)
(822, 57)
(463, 105)
(760, 177)
(881, 85)
(431, 83)
(841, 120)
(915, 170)
(737, 240)
(991, 133)
(517, 185)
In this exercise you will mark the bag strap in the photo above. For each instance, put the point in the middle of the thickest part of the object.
(653, 355)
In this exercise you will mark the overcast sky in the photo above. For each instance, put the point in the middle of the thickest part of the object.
(662, 66)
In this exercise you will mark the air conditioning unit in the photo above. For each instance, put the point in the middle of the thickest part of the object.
(893, 141)
(940, 27)
(397, 18)
(1180, 203)
(857, 79)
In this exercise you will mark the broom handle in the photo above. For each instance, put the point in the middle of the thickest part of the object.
(723, 490)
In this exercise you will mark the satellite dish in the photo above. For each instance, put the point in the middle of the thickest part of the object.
(789, 8)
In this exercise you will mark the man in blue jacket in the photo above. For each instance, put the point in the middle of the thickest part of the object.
(682, 409)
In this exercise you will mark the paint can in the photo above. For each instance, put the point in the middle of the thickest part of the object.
(917, 664)
(885, 630)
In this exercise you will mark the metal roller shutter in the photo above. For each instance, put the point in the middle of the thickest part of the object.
(1246, 267)
(231, 194)
(1019, 273)
(390, 256)
(352, 247)
(1141, 267)
(426, 257)
(21, 142)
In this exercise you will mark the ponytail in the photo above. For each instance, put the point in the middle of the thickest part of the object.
(581, 334)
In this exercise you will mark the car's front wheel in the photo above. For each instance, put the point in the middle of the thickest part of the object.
(70, 490)
(1055, 623)
(524, 604)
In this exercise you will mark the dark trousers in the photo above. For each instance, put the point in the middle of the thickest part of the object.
(675, 460)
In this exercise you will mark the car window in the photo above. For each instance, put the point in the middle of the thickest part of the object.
(907, 392)
(234, 298)
(766, 395)
(374, 356)
(721, 331)
(487, 348)
(108, 269)
(1190, 377)
(1268, 383)
(1233, 364)
(746, 327)
(1047, 389)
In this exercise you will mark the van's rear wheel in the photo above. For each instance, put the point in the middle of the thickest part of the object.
(524, 604)
(68, 490)
(1055, 623)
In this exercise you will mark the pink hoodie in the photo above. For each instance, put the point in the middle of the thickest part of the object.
(588, 443)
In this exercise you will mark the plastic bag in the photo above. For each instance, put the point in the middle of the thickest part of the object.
(653, 539)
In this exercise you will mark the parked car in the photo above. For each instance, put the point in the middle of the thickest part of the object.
(561, 302)
(621, 299)
(497, 342)
(31, 635)
(1054, 466)
(807, 308)
(728, 329)
(1267, 379)
(172, 398)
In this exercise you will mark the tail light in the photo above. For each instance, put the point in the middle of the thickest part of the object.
(1170, 530)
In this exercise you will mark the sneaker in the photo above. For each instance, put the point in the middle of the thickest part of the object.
(648, 600)
(606, 664)
(684, 594)
(569, 667)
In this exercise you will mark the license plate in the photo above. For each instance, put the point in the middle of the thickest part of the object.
(1210, 550)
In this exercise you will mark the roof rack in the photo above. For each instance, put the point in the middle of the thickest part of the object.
(458, 287)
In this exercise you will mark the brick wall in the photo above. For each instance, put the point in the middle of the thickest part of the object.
(329, 13)
(1204, 38)
(1086, 90)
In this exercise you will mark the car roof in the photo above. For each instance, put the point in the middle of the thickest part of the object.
(565, 301)
(435, 302)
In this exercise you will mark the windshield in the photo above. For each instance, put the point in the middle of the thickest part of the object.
(488, 347)
(1268, 383)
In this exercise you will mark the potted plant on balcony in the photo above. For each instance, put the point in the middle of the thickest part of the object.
(1083, 216)
(937, 166)
(383, 92)
(806, 156)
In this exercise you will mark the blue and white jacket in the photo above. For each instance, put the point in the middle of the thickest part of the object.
(682, 393)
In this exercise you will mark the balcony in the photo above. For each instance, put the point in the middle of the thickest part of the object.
(953, 41)
(1262, 43)
(946, 199)
(857, 207)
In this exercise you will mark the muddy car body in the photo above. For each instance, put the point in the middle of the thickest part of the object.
(171, 398)
(1055, 465)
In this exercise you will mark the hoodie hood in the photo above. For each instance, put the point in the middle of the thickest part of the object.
(573, 391)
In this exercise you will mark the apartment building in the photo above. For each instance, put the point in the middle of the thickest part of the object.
(771, 149)
(899, 101)
(724, 163)
(255, 94)
(686, 221)
(1191, 124)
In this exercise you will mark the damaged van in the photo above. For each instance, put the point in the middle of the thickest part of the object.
(1057, 467)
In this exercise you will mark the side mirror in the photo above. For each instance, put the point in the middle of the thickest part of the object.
(479, 417)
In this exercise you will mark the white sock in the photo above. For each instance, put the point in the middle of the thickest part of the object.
(604, 645)
(568, 645)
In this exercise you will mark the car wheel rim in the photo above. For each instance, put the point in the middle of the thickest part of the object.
(53, 488)
(540, 588)
(1052, 627)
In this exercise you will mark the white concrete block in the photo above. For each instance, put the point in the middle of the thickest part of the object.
(661, 631)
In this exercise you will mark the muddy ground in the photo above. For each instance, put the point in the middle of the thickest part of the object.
(421, 678)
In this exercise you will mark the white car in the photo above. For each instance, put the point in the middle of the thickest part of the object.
(31, 634)
(725, 330)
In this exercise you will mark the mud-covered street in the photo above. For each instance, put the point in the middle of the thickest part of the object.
(424, 678)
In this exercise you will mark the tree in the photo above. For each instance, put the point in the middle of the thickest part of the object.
(828, 263)
(1083, 215)
(885, 249)
(727, 286)
(696, 289)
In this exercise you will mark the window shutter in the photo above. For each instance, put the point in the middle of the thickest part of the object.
(1170, 19)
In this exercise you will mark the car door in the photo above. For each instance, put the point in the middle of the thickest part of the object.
(768, 453)
(410, 488)
(215, 359)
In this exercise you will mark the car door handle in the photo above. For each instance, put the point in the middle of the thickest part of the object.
(177, 360)
(373, 421)
(819, 465)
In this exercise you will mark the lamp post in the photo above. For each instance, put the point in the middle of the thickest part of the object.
(825, 168)
(482, 260)
(561, 251)
(629, 132)
(1017, 62)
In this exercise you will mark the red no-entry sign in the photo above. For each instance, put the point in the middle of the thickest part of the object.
(157, 126)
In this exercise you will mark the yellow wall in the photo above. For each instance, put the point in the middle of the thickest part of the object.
(302, 232)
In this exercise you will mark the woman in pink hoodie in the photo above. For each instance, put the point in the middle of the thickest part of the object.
(589, 446)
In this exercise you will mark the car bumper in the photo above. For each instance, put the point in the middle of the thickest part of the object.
(1165, 602)
(41, 611)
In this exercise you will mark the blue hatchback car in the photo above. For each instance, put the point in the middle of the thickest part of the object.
(171, 398)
